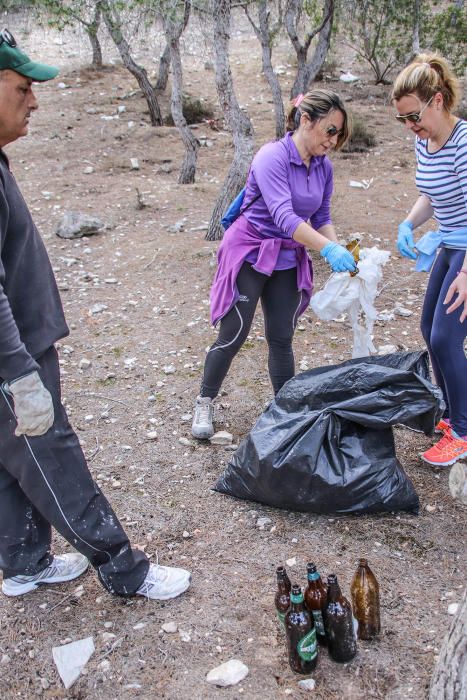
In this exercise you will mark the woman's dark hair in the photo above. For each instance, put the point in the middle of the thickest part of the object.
(317, 104)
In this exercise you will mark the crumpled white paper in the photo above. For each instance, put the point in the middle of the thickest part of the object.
(354, 296)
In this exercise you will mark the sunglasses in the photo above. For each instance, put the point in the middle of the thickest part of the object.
(332, 131)
(8, 38)
(414, 117)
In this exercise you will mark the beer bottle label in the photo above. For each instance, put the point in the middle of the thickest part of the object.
(319, 624)
(307, 648)
(281, 617)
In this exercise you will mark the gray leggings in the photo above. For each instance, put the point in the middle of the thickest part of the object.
(280, 300)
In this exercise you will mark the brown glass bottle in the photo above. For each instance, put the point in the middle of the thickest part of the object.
(338, 623)
(282, 598)
(315, 600)
(301, 634)
(365, 601)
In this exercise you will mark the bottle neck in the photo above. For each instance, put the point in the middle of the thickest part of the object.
(296, 600)
(334, 591)
(313, 576)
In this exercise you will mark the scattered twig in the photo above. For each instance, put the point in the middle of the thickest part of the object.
(140, 203)
(99, 396)
(145, 267)
(91, 457)
(60, 602)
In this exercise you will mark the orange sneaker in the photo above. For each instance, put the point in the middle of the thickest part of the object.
(443, 425)
(448, 450)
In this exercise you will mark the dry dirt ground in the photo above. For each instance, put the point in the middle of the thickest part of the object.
(153, 280)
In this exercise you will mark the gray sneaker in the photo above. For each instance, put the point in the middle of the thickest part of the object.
(64, 567)
(202, 427)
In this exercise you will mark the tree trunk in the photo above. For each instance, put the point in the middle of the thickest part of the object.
(237, 120)
(416, 29)
(449, 679)
(92, 31)
(319, 56)
(265, 36)
(164, 67)
(173, 30)
(306, 72)
(113, 23)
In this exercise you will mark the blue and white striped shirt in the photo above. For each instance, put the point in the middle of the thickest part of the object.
(442, 177)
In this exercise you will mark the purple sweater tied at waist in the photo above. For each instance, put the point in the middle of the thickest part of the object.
(239, 241)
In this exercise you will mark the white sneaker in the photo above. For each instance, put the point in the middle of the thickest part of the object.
(164, 582)
(202, 427)
(64, 567)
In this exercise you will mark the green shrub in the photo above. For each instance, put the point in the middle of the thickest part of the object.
(362, 138)
(194, 111)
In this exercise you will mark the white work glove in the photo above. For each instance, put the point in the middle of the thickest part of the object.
(34, 409)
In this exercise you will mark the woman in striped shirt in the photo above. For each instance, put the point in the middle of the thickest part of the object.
(426, 94)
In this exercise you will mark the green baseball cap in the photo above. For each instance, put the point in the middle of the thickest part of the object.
(14, 59)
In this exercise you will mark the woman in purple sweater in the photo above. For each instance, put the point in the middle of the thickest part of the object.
(263, 253)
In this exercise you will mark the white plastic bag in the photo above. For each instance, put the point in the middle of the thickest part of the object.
(354, 296)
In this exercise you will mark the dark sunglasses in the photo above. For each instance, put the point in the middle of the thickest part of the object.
(332, 131)
(8, 38)
(414, 117)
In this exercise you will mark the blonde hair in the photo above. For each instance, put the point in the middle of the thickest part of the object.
(317, 104)
(426, 75)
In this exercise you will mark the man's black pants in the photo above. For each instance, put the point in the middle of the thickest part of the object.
(44, 482)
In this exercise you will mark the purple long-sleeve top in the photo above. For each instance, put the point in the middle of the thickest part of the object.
(290, 193)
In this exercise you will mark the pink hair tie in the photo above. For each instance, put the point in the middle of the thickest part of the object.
(299, 99)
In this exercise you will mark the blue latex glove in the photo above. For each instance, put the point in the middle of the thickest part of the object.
(405, 241)
(338, 257)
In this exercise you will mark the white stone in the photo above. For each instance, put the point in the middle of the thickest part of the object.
(5, 659)
(104, 665)
(134, 164)
(386, 349)
(222, 437)
(152, 435)
(307, 684)
(262, 522)
(170, 627)
(107, 636)
(453, 608)
(140, 625)
(84, 363)
(168, 369)
(229, 673)
(402, 311)
(70, 659)
(291, 562)
(185, 441)
(184, 636)
(88, 170)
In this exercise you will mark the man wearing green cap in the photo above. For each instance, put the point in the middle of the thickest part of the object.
(44, 478)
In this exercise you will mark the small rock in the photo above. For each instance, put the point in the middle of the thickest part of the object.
(104, 665)
(386, 349)
(134, 164)
(229, 673)
(97, 309)
(76, 225)
(184, 636)
(152, 435)
(307, 684)
(222, 437)
(140, 625)
(45, 685)
(168, 369)
(107, 636)
(5, 659)
(430, 509)
(84, 363)
(402, 311)
(262, 522)
(186, 535)
(88, 170)
(170, 627)
(186, 418)
(453, 608)
(185, 441)
(108, 625)
(291, 562)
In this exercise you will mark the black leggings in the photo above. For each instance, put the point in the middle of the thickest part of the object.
(280, 300)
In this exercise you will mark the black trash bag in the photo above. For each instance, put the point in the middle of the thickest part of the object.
(325, 443)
